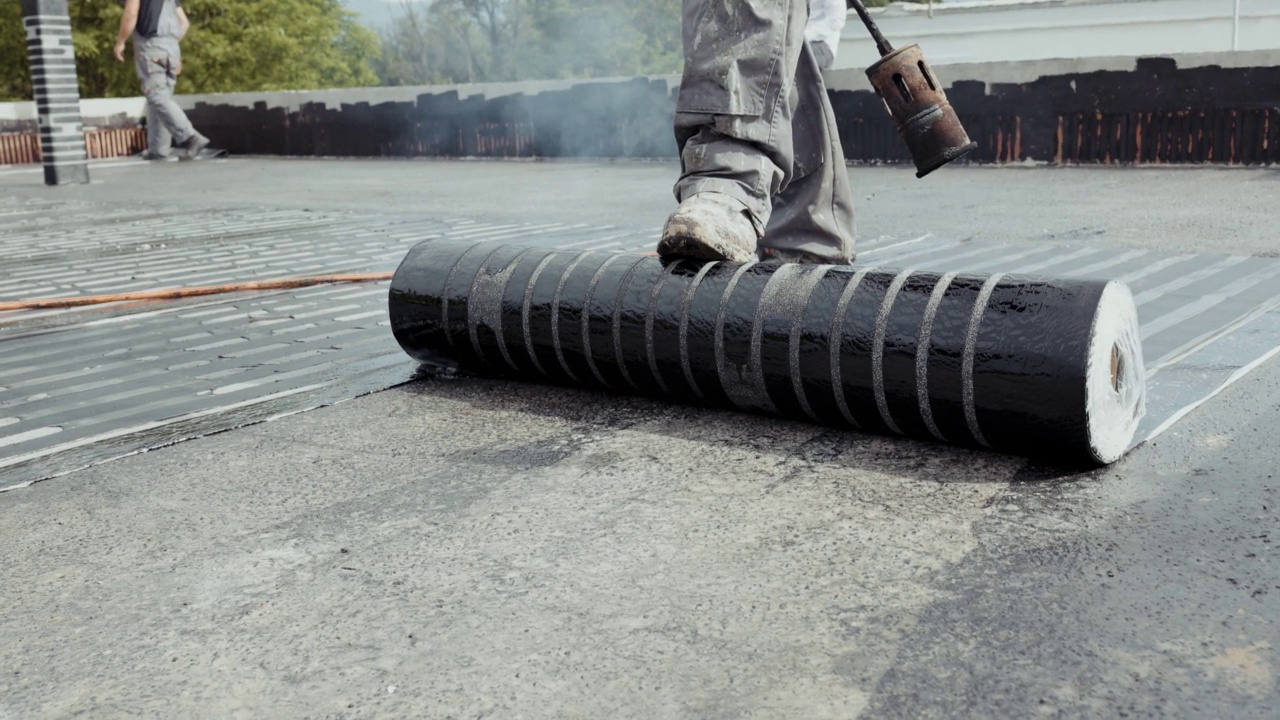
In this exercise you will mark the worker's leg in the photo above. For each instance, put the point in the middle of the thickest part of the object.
(156, 64)
(733, 118)
(159, 141)
(812, 216)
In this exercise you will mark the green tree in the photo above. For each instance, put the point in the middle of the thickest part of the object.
(596, 38)
(233, 45)
(239, 45)
(15, 80)
(497, 40)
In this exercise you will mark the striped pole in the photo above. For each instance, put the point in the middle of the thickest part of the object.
(53, 74)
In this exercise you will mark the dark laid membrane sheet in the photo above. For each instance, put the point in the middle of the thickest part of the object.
(1205, 320)
(1015, 363)
(78, 387)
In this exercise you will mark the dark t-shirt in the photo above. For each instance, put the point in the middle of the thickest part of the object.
(149, 16)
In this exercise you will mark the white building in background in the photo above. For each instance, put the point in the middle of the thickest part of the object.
(986, 31)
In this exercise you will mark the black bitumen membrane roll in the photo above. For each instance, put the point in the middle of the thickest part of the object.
(1026, 365)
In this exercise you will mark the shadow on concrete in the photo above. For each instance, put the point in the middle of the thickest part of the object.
(594, 413)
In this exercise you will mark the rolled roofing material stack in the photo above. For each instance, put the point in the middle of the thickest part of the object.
(1031, 366)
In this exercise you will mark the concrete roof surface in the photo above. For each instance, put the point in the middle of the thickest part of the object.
(481, 548)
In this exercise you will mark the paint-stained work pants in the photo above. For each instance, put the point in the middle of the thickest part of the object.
(157, 59)
(753, 121)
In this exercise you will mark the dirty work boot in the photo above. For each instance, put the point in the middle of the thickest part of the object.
(710, 226)
(783, 257)
(190, 148)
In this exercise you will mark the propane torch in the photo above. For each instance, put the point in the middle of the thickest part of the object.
(914, 97)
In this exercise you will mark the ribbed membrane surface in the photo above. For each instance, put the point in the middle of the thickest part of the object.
(994, 361)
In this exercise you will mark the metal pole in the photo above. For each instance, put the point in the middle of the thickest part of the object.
(1235, 28)
(881, 43)
(53, 75)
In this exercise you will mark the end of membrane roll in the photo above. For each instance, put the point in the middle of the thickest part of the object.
(1115, 376)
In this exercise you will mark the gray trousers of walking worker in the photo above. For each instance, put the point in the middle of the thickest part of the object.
(158, 60)
(753, 121)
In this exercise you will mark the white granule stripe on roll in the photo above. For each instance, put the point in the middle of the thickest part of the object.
(877, 348)
(969, 356)
(922, 354)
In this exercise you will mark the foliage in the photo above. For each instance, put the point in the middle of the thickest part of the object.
(239, 45)
(233, 45)
(15, 80)
(497, 40)
(247, 45)
(446, 41)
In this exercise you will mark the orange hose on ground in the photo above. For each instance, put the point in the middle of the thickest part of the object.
(280, 284)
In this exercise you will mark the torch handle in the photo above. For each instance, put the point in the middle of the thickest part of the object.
(881, 43)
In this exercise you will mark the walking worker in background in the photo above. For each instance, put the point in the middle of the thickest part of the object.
(826, 21)
(762, 170)
(157, 27)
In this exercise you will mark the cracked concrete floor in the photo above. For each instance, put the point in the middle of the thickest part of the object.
(475, 548)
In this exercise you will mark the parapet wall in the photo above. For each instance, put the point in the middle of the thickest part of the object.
(1189, 109)
(1153, 113)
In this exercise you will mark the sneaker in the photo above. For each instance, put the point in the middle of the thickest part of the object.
(710, 226)
(157, 157)
(797, 256)
(190, 148)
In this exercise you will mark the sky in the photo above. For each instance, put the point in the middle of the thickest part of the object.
(374, 13)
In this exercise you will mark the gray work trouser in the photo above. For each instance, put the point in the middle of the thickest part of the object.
(158, 60)
(753, 121)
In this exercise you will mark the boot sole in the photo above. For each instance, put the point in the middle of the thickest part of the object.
(194, 153)
(687, 247)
